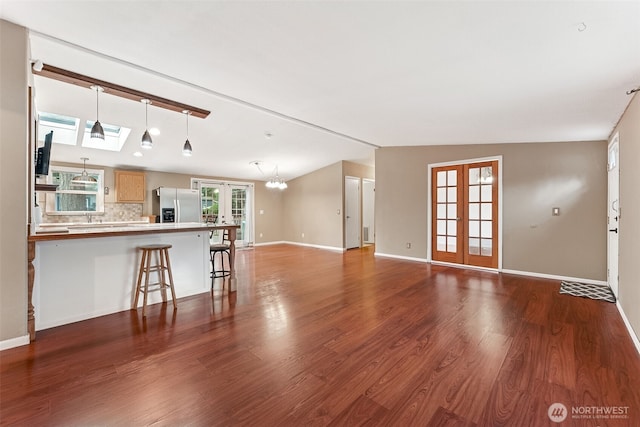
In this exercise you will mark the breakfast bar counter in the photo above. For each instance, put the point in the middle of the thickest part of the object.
(81, 271)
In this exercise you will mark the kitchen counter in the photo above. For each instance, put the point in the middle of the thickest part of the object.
(82, 270)
(105, 229)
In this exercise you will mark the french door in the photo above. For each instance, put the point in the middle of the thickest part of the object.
(225, 203)
(464, 214)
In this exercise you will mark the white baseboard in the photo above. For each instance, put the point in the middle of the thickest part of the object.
(556, 277)
(465, 266)
(280, 242)
(309, 245)
(14, 342)
(632, 333)
(406, 258)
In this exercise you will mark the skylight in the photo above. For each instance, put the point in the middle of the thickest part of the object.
(114, 137)
(65, 129)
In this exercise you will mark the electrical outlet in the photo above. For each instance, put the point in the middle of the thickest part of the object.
(260, 234)
(408, 245)
(303, 235)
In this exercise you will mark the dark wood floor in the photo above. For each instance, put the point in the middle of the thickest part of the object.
(314, 337)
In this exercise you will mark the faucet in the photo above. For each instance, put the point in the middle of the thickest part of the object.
(89, 218)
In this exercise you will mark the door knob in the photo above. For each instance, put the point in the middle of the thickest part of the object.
(615, 230)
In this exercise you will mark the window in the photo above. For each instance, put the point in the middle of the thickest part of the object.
(73, 198)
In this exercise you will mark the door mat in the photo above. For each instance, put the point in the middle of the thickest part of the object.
(587, 291)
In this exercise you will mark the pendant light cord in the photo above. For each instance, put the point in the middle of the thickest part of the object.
(97, 105)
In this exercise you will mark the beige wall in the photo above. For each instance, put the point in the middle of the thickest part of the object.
(629, 265)
(13, 180)
(536, 177)
(269, 223)
(358, 170)
(311, 206)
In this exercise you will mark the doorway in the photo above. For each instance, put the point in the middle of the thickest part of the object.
(465, 213)
(226, 202)
(613, 213)
(352, 220)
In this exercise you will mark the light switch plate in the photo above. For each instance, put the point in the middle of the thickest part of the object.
(555, 211)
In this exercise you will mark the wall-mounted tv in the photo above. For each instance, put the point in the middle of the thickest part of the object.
(43, 155)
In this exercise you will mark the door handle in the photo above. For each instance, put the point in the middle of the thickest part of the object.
(615, 230)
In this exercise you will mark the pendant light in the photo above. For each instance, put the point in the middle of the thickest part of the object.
(276, 182)
(84, 178)
(146, 138)
(187, 151)
(96, 131)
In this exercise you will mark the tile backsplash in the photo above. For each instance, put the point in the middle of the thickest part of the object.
(112, 212)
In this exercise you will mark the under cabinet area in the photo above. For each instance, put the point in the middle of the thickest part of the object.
(130, 186)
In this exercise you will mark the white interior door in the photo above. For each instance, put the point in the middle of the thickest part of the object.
(613, 214)
(352, 222)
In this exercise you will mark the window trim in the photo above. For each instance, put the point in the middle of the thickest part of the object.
(51, 196)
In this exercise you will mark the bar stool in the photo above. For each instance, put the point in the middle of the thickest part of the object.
(220, 248)
(163, 265)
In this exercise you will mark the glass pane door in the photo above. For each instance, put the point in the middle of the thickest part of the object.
(481, 214)
(464, 214)
(210, 195)
(224, 203)
(447, 231)
(240, 211)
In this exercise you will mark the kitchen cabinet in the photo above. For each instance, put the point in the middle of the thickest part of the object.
(130, 186)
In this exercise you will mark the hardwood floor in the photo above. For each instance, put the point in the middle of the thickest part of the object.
(314, 337)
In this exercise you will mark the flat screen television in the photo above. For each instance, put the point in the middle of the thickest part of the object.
(43, 156)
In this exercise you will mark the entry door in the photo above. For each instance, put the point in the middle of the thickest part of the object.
(352, 224)
(464, 214)
(613, 214)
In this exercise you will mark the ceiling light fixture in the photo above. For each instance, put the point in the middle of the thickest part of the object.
(146, 142)
(84, 178)
(96, 131)
(187, 151)
(276, 181)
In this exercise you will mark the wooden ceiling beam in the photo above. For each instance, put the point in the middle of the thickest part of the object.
(81, 80)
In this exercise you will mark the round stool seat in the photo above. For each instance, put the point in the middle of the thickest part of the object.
(155, 247)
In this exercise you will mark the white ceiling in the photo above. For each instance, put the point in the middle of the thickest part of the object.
(388, 73)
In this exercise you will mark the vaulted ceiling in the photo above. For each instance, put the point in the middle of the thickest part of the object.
(332, 81)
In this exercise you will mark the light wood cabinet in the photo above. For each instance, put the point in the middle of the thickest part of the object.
(130, 186)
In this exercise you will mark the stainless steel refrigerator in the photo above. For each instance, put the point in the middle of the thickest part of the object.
(177, 205)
